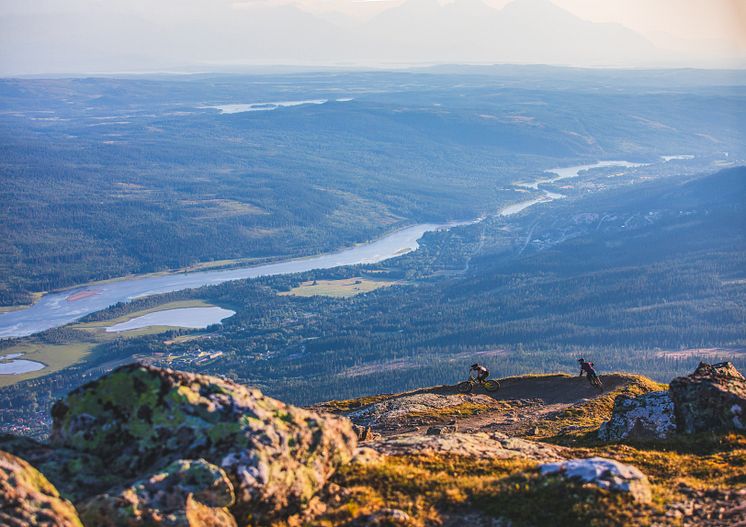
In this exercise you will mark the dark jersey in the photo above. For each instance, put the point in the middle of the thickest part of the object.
(587, 367)
(481, 371)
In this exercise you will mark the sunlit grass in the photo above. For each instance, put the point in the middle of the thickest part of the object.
(343, 288)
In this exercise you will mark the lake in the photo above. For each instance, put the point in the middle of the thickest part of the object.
(188, 317)
(573, 172)
(227, 109)
(11, 365)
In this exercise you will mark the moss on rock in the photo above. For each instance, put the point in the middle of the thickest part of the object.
(138, 417)
(186, 493)
(27, 498)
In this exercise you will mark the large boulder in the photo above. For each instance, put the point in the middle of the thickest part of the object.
(77, 475)
(139, 418)
(713, 398)
(184, 494)
(646, 417)
(605, 474)
(27, 498)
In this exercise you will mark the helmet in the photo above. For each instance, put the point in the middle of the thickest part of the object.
(581, 359)
(475, 365)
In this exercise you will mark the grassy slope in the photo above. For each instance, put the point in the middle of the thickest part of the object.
(436, 489)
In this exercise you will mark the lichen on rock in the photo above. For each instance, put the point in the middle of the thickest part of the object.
(138, 418)
(605, 474)
(27, 498)
(712, 399)
(645, 417)
(186, 493)
(77, 475)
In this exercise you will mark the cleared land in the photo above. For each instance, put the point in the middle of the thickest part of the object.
(55, 356)
(337, 288)
(59, 356)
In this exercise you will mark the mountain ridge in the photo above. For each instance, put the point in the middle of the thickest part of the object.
(415, 32)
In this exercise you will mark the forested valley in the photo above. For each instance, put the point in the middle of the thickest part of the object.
(640, 279)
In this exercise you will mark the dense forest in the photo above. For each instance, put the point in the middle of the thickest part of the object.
(106, 177)
(629, 278)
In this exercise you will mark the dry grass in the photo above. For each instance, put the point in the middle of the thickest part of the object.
(430, 488)
(587, 416)
(343, 288)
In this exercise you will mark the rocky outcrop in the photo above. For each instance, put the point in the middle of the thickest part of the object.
(646, 417)
(386, 518)
(27, 498)
(398, 411)
(152, 443)
(713, 398)
(184, 494)
(480, 445)
(605, 474)
(363, 433)
(77, 475)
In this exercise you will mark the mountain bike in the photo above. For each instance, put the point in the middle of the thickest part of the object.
(595, 382)
(491, 385)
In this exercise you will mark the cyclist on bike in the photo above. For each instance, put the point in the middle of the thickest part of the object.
(481, 372)
(587, 368)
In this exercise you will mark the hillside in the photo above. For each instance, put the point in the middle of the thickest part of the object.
(143, 175)
(148, 446)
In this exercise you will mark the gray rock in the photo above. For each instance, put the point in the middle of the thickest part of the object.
(363, 433)
(713, 398)
(439, 430)
(386, 518)
(605, 474)
(184, 494)
(413, 409)
(481, 445)
(28, 499)
(138, 419)
(649, 416)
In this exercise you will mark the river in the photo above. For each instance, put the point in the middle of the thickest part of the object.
(57, 309)
(60, 308)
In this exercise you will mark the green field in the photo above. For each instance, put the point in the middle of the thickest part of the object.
(343, 288)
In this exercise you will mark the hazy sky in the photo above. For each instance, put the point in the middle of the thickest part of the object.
(96, 35)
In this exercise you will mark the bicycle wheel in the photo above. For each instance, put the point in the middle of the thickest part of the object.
(491, 385)
(465, 387)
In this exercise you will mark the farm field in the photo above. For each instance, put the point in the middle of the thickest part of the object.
(337, 288)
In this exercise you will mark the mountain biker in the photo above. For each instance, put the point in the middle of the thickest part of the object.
(587, 368)
(481, 372)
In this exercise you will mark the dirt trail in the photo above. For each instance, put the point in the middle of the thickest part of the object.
(550, 389)
(516, 408)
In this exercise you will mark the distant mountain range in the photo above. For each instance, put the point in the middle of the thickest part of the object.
(96, 37)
